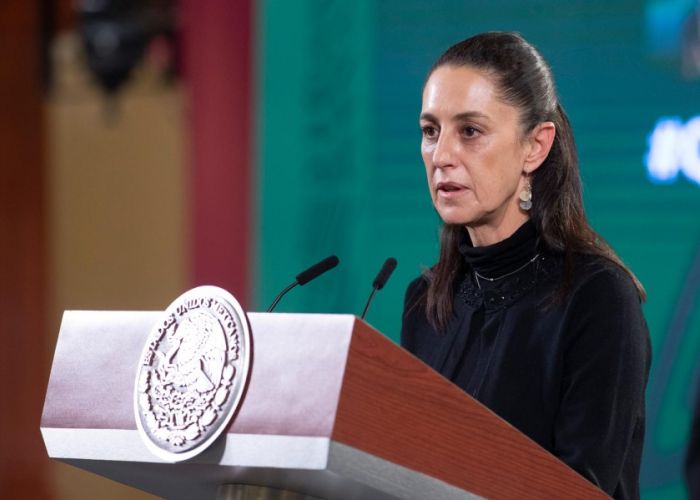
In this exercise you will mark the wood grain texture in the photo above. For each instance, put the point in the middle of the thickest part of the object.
(396, 407)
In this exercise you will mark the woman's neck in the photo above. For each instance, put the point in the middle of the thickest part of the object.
(502, 257)
(488, 234)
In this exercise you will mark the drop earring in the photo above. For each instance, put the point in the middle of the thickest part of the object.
(526, 196)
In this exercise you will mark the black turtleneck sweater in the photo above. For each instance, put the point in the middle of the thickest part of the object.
(568, 370)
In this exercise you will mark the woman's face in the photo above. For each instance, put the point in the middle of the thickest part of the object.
(473, 150)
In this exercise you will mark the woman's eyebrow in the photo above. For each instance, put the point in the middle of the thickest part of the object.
(467, 115)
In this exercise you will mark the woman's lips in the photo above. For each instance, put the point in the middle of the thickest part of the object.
(450, 189)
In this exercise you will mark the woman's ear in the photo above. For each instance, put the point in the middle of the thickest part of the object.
(540, 142)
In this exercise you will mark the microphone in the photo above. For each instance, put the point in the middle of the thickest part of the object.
(305, 276)
(317, 270)
(380, 281)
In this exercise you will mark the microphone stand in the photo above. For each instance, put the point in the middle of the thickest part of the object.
(371, 296)
(280, 295)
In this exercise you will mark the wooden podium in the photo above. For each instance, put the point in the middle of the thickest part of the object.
(333, 410)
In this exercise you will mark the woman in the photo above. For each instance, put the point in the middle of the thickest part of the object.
(527, 309)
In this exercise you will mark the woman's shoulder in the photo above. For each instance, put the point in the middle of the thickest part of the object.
(418, 284)
(415, 292)
(604, 308)
(414, 322)
(588, 274)
(599, 277)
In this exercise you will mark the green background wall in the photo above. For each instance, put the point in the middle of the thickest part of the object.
(340, 171)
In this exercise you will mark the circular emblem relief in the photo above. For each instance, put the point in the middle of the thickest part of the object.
(192, 373)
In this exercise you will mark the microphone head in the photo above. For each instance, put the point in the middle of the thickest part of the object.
(384, 273)
(317, 270)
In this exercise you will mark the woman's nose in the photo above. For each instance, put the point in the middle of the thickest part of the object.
(444, 154)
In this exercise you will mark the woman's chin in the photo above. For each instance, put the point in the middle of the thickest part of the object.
(454, 217)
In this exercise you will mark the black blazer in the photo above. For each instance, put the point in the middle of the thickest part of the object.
(570, 373)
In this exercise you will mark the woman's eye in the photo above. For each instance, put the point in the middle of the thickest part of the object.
(469, 131)
(429, 132)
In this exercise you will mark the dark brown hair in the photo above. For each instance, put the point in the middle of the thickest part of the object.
(523, 80)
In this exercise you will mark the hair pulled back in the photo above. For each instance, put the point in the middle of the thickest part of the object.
(524, 80)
